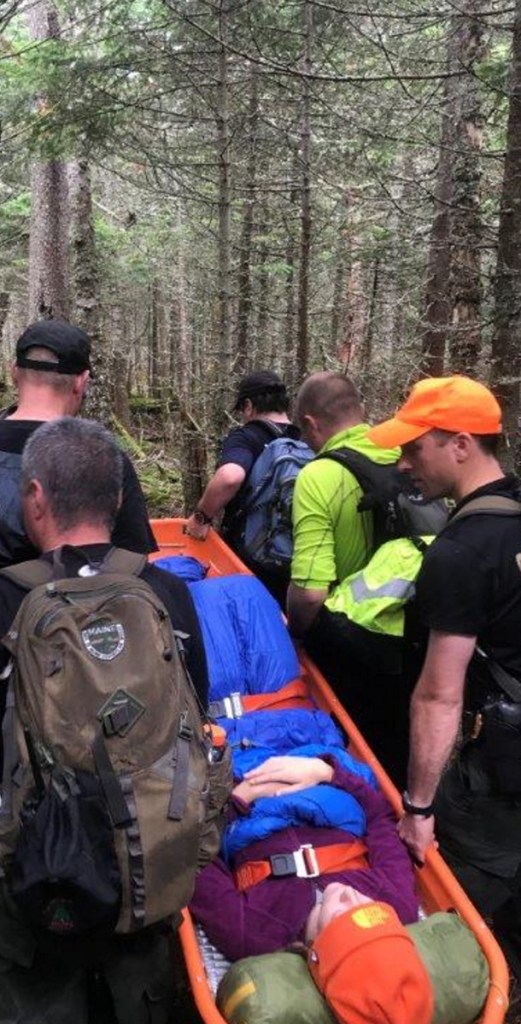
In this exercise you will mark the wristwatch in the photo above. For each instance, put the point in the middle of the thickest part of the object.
(409, 808)
(201, 517)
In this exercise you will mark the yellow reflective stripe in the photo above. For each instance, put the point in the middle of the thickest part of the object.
(238, 997)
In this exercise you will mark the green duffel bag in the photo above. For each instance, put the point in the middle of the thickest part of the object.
(278, 989)
(456, 965)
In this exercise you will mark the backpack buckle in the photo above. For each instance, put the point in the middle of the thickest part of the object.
(120, 713)
(185, 731)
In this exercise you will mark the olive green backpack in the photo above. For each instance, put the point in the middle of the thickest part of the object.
(110, 798)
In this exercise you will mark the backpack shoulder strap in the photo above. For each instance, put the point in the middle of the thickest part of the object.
(366, 472)
(119, 560)
(29, 574)
(271, 428)
(491, 505)
(33, 573)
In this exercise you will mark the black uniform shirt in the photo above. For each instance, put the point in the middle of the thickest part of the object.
(470, 580)
(131, 530)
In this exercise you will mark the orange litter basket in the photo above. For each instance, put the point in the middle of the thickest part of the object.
(437, 885)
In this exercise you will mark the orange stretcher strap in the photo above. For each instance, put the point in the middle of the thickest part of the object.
(306, 862)
(294, 694)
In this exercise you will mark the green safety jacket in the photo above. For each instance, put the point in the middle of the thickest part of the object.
(375, 597)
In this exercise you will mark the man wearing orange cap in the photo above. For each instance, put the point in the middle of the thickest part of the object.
(354, 939)
(468, 603)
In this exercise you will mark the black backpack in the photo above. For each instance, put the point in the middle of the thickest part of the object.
(398, 508)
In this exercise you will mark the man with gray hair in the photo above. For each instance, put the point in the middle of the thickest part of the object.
(51, 373)
(71, 482)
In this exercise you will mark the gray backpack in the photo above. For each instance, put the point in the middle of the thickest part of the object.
(110, 797)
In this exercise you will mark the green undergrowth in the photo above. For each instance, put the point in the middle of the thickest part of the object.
(158, 471)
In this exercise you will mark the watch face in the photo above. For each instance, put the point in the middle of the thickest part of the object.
(201, 518)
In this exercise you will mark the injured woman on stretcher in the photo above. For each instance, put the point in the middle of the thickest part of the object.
(296, 824)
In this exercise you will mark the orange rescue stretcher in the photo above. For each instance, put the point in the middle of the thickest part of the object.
(438, 887)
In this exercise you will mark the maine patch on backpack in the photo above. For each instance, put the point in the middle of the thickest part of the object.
(267, 533)
(107, 786)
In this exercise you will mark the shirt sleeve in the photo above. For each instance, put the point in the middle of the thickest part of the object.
(454, 590)
(241, 448)
(132, 529)
(313, 563)
(324, 507)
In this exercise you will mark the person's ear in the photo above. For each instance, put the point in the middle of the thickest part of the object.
(34, 497)
(80, 382)
(463, 445)
(308, 423)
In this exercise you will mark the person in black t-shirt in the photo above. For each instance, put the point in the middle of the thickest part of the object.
(261, 399)
(468, 605)
(51, 373)
(71, 483)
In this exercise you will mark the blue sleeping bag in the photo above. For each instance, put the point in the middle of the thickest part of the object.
(185, 566)
(324, 806)
(279, 731)
(248, 648)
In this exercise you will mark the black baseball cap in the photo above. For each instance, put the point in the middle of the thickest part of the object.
(259, 382)
(70, 345)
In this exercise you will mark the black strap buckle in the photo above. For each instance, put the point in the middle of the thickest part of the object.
(283, 865)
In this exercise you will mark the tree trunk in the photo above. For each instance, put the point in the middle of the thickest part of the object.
(119, 365)
(466, 227)
(258, 349)
(85, 287)
(193, 443)
(437, 301)
(506, 341)
(154, 345)
(222, 361)
(244, 275)
(302, 355)
(339, 295)
(287, 341)
(366, 352)
(48, 256)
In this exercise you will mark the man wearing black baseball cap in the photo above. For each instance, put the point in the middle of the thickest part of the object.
(263, 404)
(257, 384)
(69, 345)
(51, 373)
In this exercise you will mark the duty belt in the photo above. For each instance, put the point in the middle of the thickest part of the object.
(306, 862)
(293, 695)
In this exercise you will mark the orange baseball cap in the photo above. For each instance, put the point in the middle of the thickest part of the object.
(444, 403)
(366, 966)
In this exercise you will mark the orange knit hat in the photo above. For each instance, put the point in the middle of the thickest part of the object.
(366, 966)
(443, 403)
